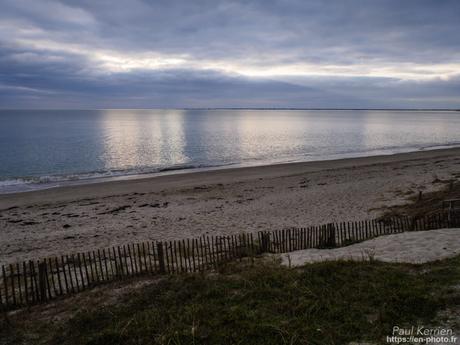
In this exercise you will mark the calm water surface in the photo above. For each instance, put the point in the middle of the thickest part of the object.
(46, 148)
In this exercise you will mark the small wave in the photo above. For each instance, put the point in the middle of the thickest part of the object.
(182, 167)
(441, 146)
(12, 182)
(22, 184)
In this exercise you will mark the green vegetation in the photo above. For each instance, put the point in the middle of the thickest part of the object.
(264, 303)
(426, 203)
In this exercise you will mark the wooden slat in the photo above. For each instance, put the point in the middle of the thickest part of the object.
(137, 258)
(130, 256)
(155, 257)
(85, 268)
(45, 292)
(185, 250)
(142, 261)
(58, 276)
(5, 285)
(118, 262)
(26, 285)
(125, 259)
(151, 253)
(101, 267)
(181, 255)
(194, 263)
(211, 252)
(13, 289)
(80, 269)
(171, 257)
(64, 274)
(161, 257)
(33, 281)
(177, 257)
(95, 265)
(204, 253)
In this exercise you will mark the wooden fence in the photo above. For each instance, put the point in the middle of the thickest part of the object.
(36, 281)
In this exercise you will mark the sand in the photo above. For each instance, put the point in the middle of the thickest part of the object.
(79, 218)
(409, 247)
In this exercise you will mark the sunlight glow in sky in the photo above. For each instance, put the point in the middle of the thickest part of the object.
(110, 61)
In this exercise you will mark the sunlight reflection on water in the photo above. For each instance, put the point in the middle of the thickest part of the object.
(46, 145)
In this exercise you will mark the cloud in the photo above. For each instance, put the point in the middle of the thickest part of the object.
(297, 53)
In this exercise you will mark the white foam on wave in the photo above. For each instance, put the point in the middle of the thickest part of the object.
(24, 184)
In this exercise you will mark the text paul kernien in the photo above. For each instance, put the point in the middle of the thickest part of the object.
(421, 331)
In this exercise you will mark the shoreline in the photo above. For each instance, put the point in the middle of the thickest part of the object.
(76, 179)
(125, 182)
(226, 201)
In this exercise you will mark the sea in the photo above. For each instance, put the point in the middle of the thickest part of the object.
(49, 148)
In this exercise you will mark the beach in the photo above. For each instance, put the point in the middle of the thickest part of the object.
(227, 201)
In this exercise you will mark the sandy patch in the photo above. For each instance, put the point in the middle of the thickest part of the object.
(409, 247)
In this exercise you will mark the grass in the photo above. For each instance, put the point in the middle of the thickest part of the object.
(429, 203)
(324, 303)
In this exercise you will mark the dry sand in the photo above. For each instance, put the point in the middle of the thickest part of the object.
(409, 247)
(79, 218)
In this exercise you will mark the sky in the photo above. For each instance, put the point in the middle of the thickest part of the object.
(260, 53)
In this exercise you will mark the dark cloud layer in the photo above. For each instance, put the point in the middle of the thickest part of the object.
(343, 53)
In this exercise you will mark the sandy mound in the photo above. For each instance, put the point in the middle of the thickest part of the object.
(409, 247)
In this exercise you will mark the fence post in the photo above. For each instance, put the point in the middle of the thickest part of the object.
(331, 239)
(161, 258)
(265, 242)
(42, 280)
